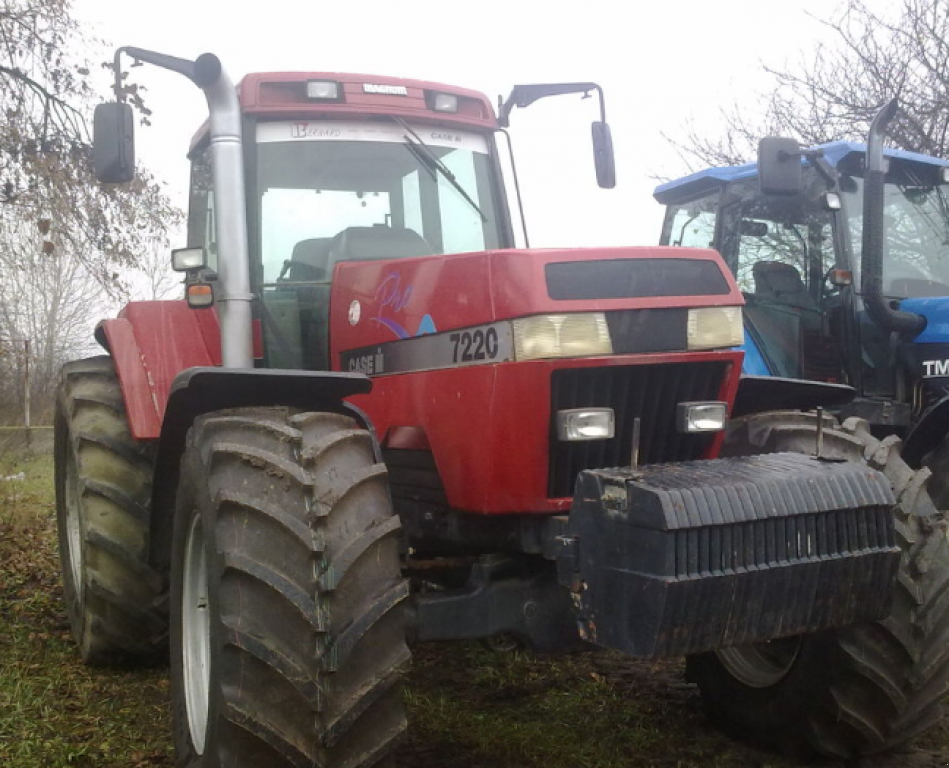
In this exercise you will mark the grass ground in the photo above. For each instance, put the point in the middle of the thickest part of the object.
(468, 707)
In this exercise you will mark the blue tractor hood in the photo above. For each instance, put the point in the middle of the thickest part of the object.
(836, 153)
(936, 312)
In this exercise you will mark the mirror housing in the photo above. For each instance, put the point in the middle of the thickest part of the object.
(603, 155)
(779, 166)
(113, 143)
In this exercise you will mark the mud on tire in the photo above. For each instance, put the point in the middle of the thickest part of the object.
(103, 490)
(288, 641)
(866, 688)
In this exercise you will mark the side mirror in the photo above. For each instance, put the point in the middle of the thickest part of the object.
(779, 166)
(113, 143)
(603, 155)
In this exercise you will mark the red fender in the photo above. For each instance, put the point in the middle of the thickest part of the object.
(151, 342)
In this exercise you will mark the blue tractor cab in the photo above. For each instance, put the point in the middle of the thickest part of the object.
(797, 251)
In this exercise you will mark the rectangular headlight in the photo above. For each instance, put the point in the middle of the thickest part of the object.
(701, 417)
(583, 334)
(322, 90)
(184, 259)
(715, 327)
(577, 424)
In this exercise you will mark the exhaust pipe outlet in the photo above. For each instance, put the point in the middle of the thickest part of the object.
(871, 265)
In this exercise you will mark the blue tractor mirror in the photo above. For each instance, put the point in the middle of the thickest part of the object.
(779, 166)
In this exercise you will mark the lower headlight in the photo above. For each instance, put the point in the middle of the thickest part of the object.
(701, 417)
(577, 424)
(715, 327)
(583, 334)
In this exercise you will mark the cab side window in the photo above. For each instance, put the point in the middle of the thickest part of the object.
(201, 232)
(691, 225)
(780, 248)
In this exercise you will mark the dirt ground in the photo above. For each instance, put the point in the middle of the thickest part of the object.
(664, 724)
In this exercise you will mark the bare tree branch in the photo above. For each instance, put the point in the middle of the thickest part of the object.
(65, 240)
(834, 90)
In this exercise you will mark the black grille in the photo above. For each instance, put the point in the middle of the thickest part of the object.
(650, 392)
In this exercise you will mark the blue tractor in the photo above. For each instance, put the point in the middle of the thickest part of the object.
(842, 254)
(845, 273)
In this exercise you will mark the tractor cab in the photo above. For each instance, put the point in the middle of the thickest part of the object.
(350, 168)
(797, 257)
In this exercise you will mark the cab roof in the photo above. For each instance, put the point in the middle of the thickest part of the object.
(282, 96)
(839, 154)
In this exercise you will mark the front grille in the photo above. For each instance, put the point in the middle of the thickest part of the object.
(650, 392)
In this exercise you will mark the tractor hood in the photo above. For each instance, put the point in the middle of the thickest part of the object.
(375, 302)
(936, 312)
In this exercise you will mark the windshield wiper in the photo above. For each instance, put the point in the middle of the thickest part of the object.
(432, 163)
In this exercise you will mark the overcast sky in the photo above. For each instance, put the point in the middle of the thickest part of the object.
(660, 65)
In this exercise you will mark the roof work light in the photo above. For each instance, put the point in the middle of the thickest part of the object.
(322, 90)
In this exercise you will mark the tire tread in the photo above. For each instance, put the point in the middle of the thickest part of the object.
(881, 683)
(313, 480)
(124, 622)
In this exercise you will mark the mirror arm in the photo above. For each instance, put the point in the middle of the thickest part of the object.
(828, 172)
(524, 95)
(816, 158)
(203, 72)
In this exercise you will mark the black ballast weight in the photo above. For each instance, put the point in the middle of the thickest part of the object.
(676, 559)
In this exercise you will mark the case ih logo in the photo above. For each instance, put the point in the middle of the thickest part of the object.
(385, 90)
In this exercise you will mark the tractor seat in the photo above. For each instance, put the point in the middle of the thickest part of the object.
(370, 243)
(309, 260)
(781, 282)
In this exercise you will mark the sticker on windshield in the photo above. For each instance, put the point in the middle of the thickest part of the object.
(389, 133)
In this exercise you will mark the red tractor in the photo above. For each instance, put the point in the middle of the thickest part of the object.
(373, 421)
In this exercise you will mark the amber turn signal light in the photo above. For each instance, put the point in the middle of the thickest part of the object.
(199, 295)
(840, 277)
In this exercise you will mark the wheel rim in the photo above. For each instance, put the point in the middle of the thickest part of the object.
(761, 665)
(196, 631)
(74, 528)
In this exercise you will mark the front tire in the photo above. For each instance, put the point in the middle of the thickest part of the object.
(288, 639)
(862, 689)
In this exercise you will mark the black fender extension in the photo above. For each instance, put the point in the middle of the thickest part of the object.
(204, 389)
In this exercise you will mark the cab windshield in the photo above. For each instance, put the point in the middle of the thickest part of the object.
(332, 191)
(916, 248)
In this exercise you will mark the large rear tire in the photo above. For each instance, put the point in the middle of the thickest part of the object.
(288, 637)
(103, 492)
(862, 689)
